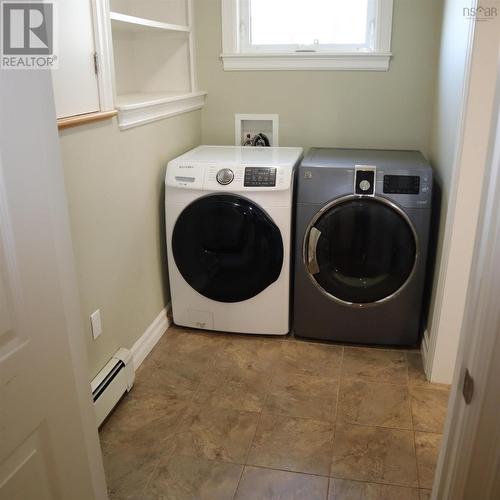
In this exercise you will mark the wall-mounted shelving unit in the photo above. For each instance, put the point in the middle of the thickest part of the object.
(125, 22)
(153, 49)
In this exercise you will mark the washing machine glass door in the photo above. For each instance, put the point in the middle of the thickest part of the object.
(227, 248)
(361, 250)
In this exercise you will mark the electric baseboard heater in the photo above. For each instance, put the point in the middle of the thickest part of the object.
(111, 383)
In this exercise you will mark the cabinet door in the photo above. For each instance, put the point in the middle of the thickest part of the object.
(75, 82)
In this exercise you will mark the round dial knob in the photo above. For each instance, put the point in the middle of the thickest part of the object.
(225, 176)
(364, 185)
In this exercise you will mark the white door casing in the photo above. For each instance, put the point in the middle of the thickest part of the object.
(469, 463)
(49, 445)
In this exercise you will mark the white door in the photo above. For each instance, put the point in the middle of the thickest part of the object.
(49, 446)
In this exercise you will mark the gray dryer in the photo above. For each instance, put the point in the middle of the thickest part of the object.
(362, 229)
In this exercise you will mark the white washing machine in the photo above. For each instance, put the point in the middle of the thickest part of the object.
(228, 224)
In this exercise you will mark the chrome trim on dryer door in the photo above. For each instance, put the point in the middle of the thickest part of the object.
(312, 261)
(310, 230)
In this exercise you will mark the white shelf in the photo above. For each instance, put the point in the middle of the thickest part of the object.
(145, 107)
(137, 24)
(153, 60)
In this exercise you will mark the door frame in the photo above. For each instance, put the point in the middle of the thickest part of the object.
(470, 455)
(75, 330)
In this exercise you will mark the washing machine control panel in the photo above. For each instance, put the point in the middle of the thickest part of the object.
(225, 176)
(260, 177)
(233, 177)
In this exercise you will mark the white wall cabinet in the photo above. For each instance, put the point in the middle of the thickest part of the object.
(75, 81)
(153, 52)
(145, 60)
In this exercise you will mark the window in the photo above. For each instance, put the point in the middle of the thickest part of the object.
(306, 34)
(291, 25)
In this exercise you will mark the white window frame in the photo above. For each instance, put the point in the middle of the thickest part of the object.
(238, 57)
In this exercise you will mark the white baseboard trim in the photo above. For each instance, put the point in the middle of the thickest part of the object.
(424, 350)
(146, 342)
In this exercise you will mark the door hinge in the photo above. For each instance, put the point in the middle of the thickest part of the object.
(96, 63)
(468, 387)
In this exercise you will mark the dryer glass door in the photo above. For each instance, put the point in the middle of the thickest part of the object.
(227, 248)
(361, 250)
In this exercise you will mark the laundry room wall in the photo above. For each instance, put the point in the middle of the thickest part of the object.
(363, 109)
(114, 182)
(458, 153)
(445, 134)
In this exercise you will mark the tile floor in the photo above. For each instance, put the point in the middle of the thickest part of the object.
(217, 416)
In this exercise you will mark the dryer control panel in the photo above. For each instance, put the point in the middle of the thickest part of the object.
(260, 177)
(401, 184)
(364, 180)
(410, 188)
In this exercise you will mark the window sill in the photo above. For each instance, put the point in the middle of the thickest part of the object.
(369, 61)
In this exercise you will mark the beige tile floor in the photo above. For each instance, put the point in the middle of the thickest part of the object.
(220, 416)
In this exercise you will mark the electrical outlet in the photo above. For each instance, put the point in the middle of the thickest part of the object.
(95, 323)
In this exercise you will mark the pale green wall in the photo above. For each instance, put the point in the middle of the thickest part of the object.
(329, 108)
(114, 183)
(447, 115)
